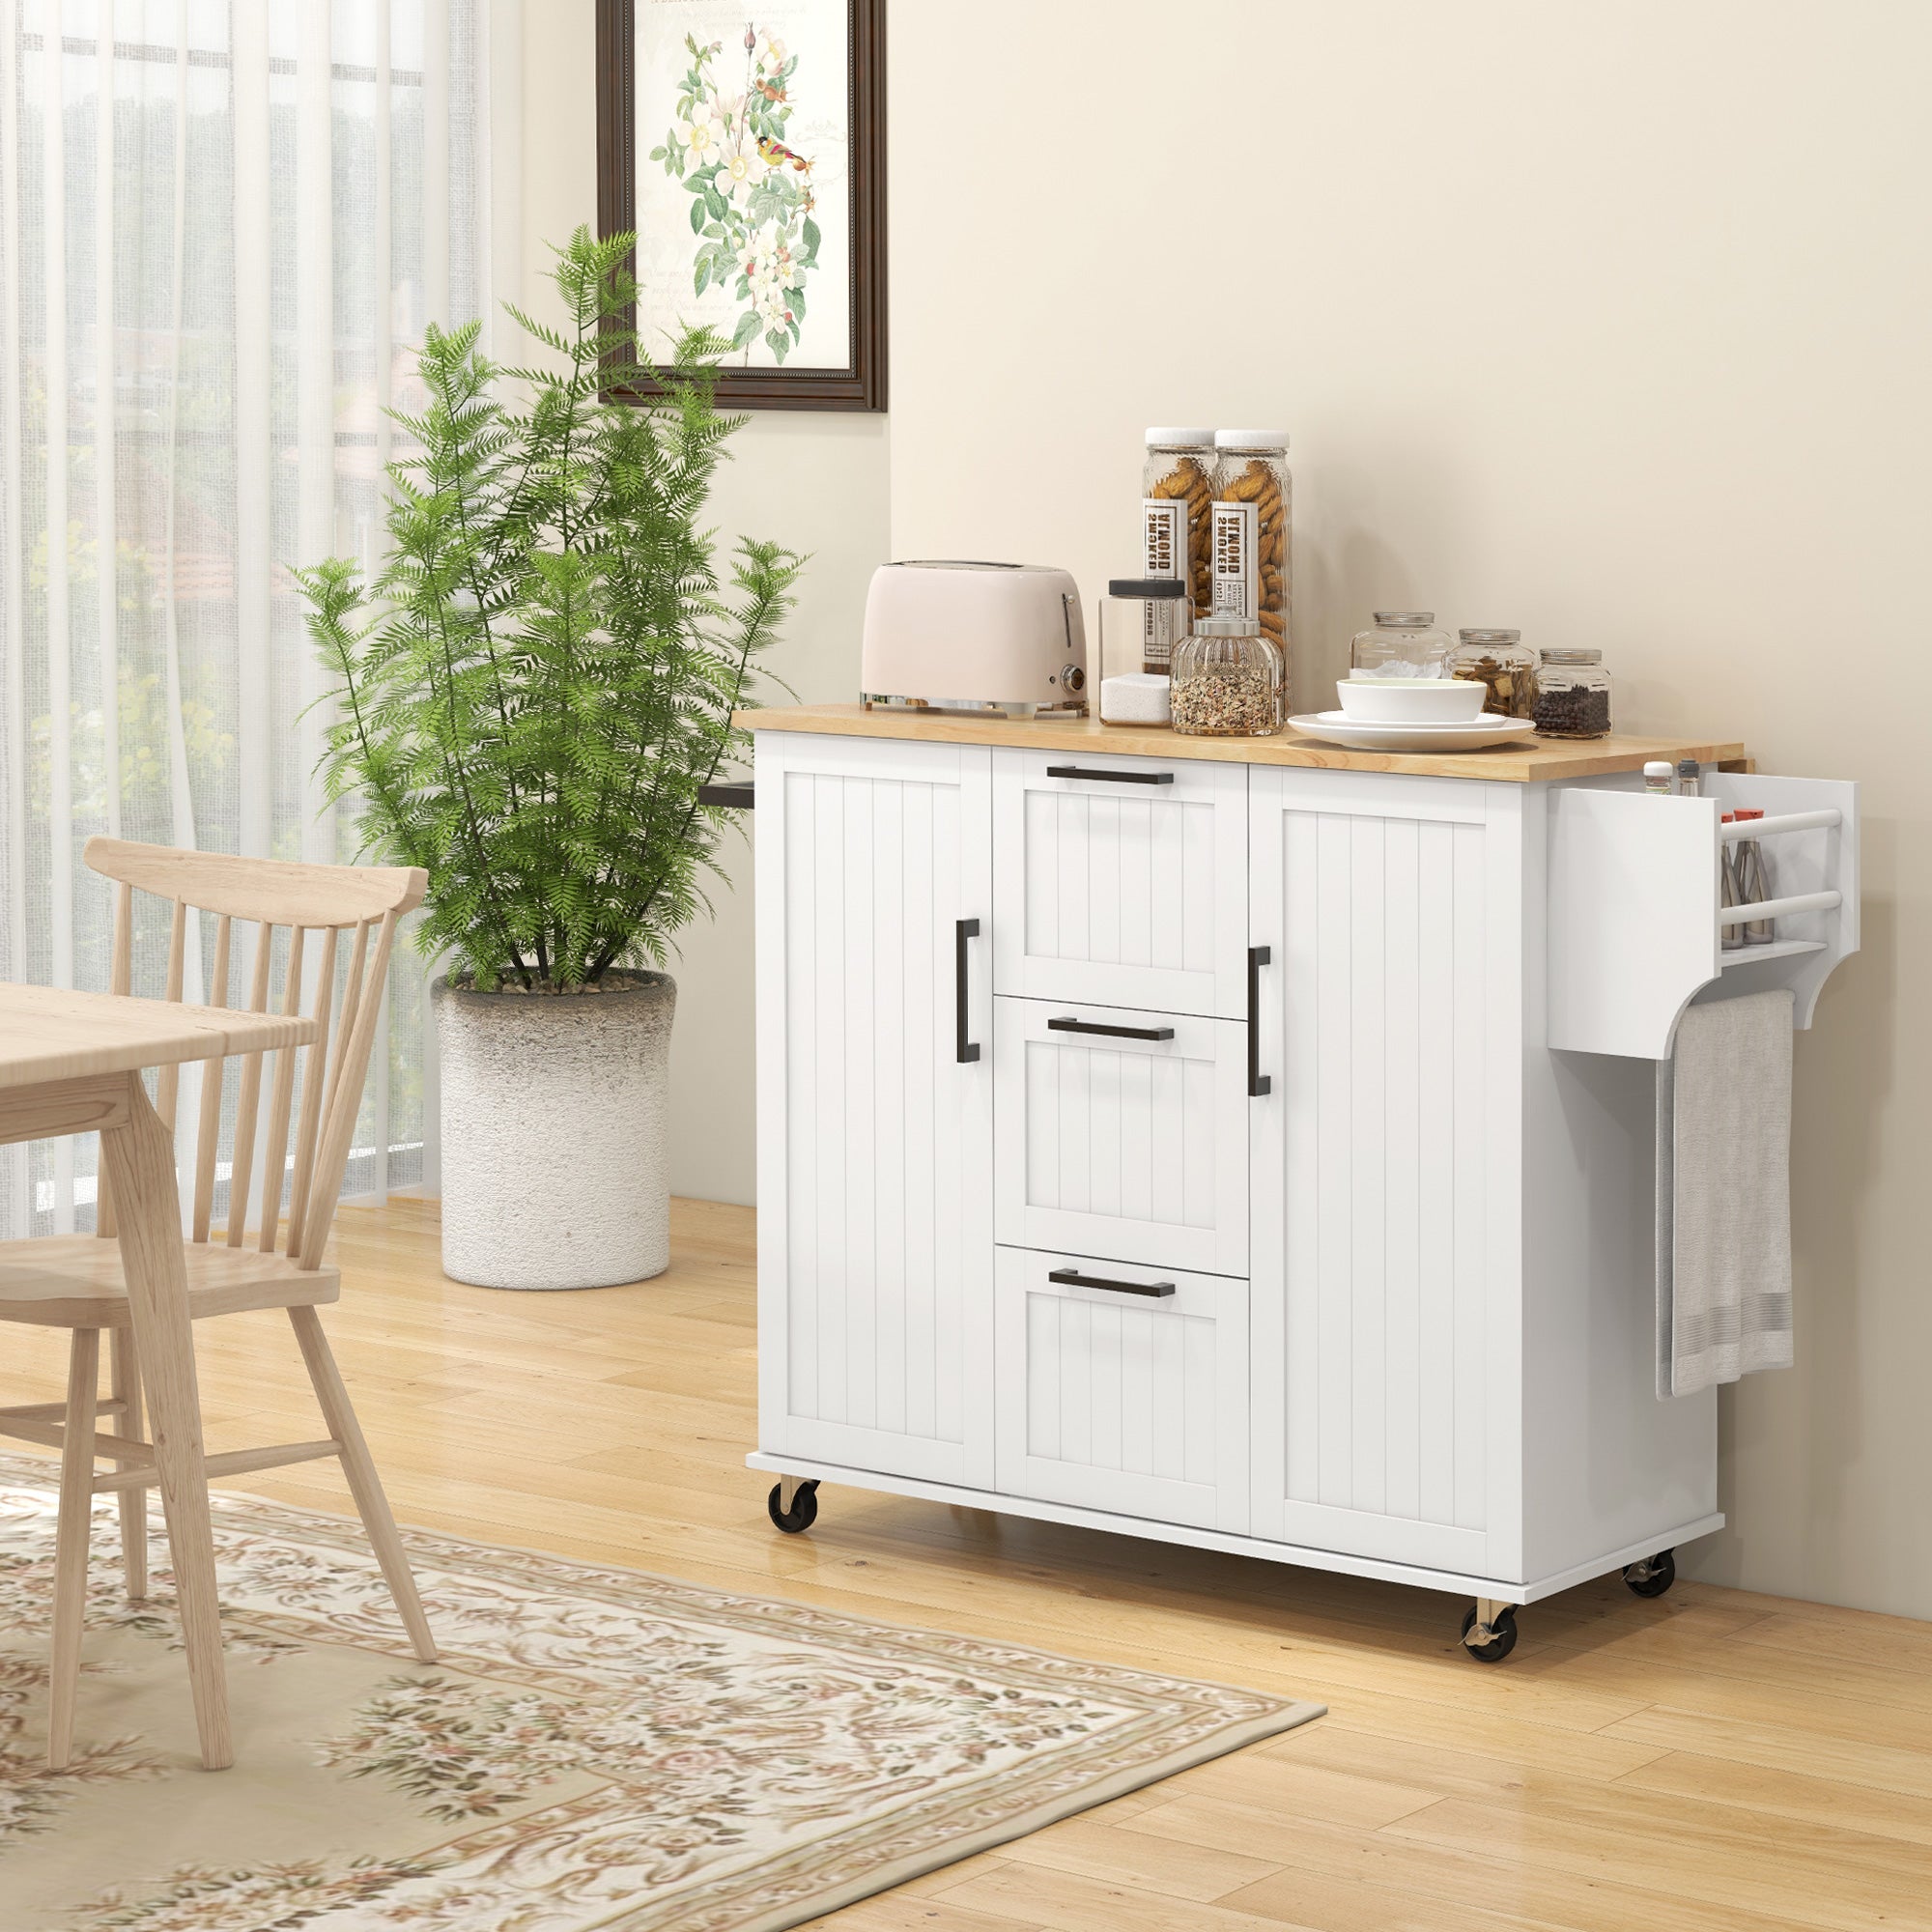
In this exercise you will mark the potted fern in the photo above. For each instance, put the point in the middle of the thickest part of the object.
(530, 692)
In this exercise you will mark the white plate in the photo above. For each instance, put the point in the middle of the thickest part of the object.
(1338, 729)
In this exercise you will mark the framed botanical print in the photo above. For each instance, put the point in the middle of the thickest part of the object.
(742, 141)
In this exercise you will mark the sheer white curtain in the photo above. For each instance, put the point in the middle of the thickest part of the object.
(223, 224)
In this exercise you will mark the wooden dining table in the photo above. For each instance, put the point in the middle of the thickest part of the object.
(71, 1064)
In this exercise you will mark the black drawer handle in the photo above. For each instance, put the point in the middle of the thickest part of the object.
(963, 1049)
(1112, 1032)
(1159, 1291)
(1111, 778)
(1258, 1083)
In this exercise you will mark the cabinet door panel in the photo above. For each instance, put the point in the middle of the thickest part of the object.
(875, 1138)
(1115, 1401)
(1130, 888)
(1385, 1259)
(1110, 1144)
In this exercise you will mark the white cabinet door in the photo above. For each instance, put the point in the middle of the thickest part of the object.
(1122, 880)
(1387, 1255)
(1123, 1388)
(875, 1105)
(1122, 1134)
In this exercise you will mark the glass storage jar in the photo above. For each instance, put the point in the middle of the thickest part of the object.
(1504, 664)
(1572, 695)
(1177, 489)
(1403, 643)
(1142, 619)
(1250, 555)
(1226, 681)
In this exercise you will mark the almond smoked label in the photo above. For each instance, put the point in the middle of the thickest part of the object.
(1164, 554)
(1236, 560)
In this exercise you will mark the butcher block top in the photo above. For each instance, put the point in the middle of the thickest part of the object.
(1519, 763)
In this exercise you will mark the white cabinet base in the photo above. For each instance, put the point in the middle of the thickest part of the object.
(1459, 1583)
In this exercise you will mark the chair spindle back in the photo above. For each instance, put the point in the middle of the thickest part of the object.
(323, 900)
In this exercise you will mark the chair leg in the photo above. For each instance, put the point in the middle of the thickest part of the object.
(365, 1484)
(124, 1383)
(76, 1507)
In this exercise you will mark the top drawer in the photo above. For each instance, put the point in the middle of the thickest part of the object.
(1120, 882)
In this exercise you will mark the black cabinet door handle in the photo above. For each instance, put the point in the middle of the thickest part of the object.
(1112, 1032)
(1111, 778)
(963, 930)
(1258, 1083)
(1158, 1290)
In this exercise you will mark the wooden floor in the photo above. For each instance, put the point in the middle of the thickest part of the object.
(1711, 1760)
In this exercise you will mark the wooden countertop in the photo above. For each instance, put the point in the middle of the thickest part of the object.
(1519, 763)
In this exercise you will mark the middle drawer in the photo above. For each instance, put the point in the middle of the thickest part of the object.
(1121, 1134)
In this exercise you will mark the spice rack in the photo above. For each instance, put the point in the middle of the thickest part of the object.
(1636, 919)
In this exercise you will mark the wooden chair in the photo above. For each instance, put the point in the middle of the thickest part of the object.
(75, 1282)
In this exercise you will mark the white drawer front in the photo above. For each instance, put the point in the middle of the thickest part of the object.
(1114, 1400)
(1127, 885)
(1110, 1143)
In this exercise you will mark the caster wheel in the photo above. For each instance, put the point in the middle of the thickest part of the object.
(1653, 1578)
(802, 1514)
(1498, 1646)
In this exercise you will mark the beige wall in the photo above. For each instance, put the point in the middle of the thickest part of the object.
(816, 482)
(1608, 322)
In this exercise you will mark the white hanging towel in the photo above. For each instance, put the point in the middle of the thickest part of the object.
(1724, 1194)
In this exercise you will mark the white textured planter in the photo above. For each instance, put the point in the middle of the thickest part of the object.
(554, 1161)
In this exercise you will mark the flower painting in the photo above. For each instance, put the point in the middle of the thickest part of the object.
(752, 198)
(752, 178)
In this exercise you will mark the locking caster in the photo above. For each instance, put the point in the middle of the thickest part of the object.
(1489, 1631)
(1654, 1575)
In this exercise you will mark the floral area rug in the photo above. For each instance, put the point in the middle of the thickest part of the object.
(596, 1749)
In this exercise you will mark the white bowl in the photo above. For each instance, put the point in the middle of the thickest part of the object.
(1411, 700)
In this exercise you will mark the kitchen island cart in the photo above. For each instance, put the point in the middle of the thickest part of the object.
(1246, 1142)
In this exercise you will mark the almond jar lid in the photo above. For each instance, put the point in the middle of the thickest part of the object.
(1251, 438)
(1180, 438)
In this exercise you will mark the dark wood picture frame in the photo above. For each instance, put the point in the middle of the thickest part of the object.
(861, 384)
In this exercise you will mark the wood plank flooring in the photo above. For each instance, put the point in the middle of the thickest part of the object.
(1706, 1762)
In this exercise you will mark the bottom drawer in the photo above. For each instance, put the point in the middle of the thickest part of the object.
(1117, 1399)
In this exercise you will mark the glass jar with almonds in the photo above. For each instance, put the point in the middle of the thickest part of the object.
(1250, 559)
(1502, 663)
(1177, 487)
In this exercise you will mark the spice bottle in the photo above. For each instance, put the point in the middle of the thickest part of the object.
(1730, 936)
(1501, 662)
(1572, 695)
(1176, 490)
(1403, 643)
(1690, 777)
(1226, 681)
(1754, 883)
(1656, 776)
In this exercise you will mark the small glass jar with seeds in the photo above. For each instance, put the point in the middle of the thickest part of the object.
(1572, 696)
(1226, 681)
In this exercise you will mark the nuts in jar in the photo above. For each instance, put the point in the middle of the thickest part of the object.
(1252, 495)
(1503, 663)
(1176, 490)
